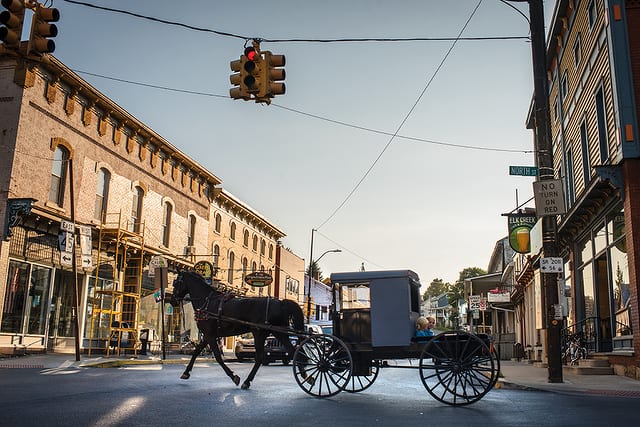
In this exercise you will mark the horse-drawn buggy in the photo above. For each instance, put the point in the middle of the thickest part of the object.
(374, 321)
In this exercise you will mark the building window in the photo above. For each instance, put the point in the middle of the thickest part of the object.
(571, 189)
(216, 256)
(232, 231)
(245, 238)
(26, 299)
(166, 223)
(556, 109)
(232, 257)
(218, 223)
(191, 234)
(136, 209)
(262, 247)
(58, 175)
(102, 195)
(602, 126)
(592, 11)
(586, 164)
(255, 243)
(564, 86)
(270, 251)
(577, 51)
(254, 267)
(245, 267)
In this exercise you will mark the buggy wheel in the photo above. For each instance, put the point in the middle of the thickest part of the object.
(358, 383)
(322, 365)
(458, 368)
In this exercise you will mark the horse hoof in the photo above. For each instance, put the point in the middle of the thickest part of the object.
(185, 376)
(245, 385)
(236, 380)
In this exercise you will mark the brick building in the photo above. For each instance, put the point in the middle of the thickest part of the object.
(70, 155)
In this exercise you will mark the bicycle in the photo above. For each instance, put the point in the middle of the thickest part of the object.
(574, 350)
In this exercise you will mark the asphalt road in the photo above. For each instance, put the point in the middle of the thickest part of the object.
(153, 395)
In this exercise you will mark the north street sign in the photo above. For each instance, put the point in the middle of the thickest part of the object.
(523, 170)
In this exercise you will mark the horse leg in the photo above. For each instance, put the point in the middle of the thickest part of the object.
(196, 352)
(218, 355)
(259, 339)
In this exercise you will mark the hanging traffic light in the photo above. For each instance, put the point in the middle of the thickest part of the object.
(12, 18)
(41, 29)
(237, 91)
(252, 66)
(272, 76)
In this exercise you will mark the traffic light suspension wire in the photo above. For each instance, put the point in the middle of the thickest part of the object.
(293, 40)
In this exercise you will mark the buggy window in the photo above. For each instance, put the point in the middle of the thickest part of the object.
(354, 296)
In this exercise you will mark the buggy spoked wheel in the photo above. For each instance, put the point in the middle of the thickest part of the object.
(458, 368)
(358, 383)
(322, 365)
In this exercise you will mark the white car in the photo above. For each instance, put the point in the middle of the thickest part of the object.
(315, 328)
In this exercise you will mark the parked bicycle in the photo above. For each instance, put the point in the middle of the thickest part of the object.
(574, 350)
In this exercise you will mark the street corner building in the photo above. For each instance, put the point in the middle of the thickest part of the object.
(88, 196)
(593, 74)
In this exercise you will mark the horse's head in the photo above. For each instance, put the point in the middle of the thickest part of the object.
(180, 290)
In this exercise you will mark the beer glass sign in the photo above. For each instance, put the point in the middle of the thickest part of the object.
(520, 225)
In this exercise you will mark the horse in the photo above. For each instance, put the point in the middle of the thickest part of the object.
(221, 314)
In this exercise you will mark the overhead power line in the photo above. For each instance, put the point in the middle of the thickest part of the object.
(291, 40)
(315, 116)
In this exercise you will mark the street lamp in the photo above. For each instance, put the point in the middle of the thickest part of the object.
(311, 262)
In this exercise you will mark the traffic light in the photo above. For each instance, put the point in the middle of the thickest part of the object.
(272, 76)
(41, 29)
(246, 77)
(12, 18)
(251, 66)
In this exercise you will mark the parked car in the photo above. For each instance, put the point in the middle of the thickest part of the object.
(274, 350)
(318, 328)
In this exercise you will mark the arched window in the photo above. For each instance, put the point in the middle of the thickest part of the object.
(245, 239)
(166, 223)
(263, 246)
(102, 194)
(245, 267)
(255, 243)
(136, 209)
(191, 236)
(230, 272)
(218, 224)
(58, 175)
(254, 267)
(232, 231)
(270, 251)
(216, 256)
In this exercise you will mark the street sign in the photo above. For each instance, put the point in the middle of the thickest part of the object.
(551, 265)
(474, 302)
(483, 304)
(156, 262)
(549, 197)
(523, 170)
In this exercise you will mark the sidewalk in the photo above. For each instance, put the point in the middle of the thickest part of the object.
(515, 375)
(525, 376)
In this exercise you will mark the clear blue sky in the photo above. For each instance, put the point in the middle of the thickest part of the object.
(429, 207)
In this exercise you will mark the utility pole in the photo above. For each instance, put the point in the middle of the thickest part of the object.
(544, 153)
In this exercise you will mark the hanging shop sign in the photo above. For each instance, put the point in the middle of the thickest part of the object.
(205, 269)
(258, 279)
(520, 225)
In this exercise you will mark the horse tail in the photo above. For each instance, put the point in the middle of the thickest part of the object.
(296, 317)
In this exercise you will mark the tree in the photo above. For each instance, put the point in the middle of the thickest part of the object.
(456, 292)
(314, 271)
(436, 287)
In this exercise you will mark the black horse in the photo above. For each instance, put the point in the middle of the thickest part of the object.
(222, 314)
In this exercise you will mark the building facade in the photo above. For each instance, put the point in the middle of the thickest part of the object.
(593, 63)
(78, 171)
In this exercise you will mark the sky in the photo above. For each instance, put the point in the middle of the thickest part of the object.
(322, 156)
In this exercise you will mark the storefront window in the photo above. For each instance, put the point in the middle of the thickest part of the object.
(600, 238)
(584, 249)
(589, 295)
(37, 300)
(620, 267)
(14, 301)
(97, 321)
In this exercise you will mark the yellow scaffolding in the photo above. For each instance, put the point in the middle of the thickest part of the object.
(117, 287)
